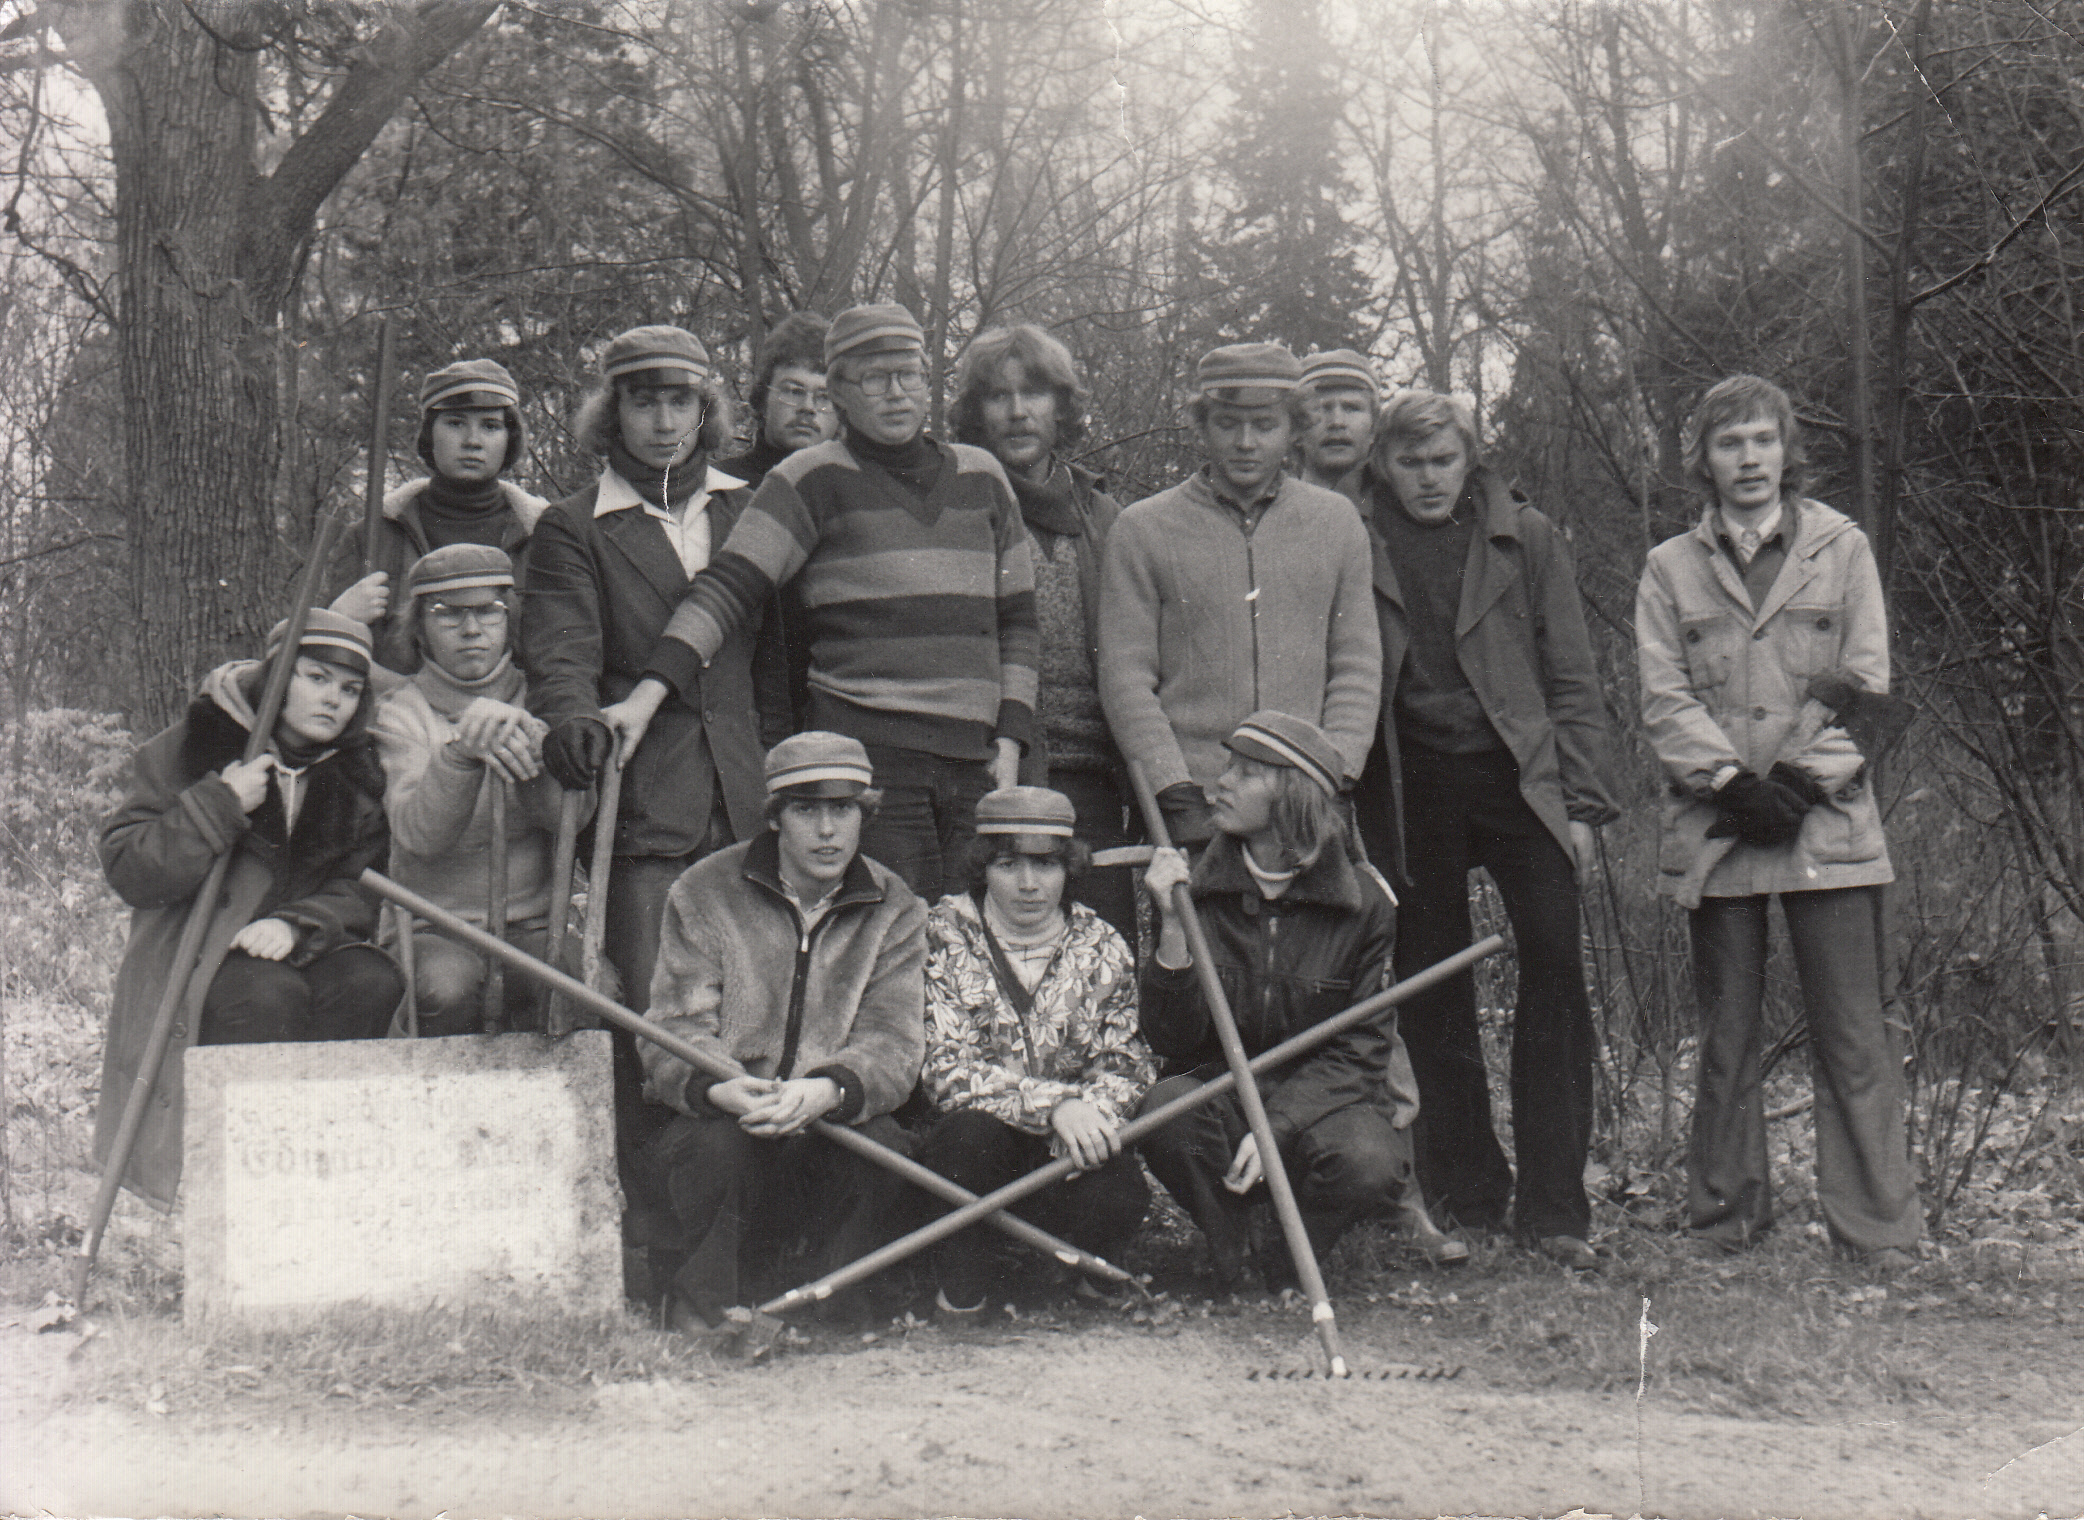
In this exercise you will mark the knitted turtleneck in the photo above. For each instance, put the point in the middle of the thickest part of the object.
(1050, 506)
(916, 462)
(449, 696)
(662, 488)
(463, 512)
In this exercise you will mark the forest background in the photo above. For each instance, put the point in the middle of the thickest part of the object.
(1580, 214)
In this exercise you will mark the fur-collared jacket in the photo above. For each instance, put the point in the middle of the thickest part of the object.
(1078, 1039)
(1286, 964)
(156, 848)
(401, 538)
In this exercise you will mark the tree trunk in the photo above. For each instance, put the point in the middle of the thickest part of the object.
(206, 252)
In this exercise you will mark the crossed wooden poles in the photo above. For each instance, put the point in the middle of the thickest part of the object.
(971, 1208)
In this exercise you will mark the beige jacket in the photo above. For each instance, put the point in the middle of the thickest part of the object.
(1723, 683)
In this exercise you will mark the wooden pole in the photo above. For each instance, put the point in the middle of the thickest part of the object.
(201, 908)
(379, 453)
(1277, 1184)
(407, 969)
(723, 1071)
(1134, 1130)
(557, 1020)
(603, 862)
(495, 1011)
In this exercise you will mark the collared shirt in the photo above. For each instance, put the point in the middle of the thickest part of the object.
(1747, 543)
(812, 913)
(688, 531)
(1249, 510)
(1759, 554)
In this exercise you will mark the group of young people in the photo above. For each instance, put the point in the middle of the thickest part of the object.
(873, 698)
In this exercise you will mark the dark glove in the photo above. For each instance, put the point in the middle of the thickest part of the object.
(1798, 783)
(1186, 811)
(577, 751)
(1757, 811)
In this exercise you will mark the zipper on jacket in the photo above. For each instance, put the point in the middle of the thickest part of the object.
(794, 1028)
(1252, 600)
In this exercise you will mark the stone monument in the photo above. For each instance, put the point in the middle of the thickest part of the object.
(471, 1171)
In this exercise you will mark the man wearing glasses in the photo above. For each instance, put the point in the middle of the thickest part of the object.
(446, 737)
(912, 567)
(790, 400)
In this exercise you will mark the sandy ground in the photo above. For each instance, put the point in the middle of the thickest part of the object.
(1092, 1420)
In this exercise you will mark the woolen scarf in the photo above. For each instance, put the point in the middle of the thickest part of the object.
(666, 489)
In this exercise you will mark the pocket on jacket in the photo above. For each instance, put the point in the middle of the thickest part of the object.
(1680, 834)
(1845, 829)
(1704, 646)
(1812, 637)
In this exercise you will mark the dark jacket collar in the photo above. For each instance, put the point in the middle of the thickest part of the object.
(1330, 880)
(763, 868)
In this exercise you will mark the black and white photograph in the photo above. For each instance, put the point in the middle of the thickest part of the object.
(1066, 759)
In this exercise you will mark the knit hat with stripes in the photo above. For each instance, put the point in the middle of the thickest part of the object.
(1278, 738)
(1029, 811)
(458, 567)
(1340, 369)
(472, 383)
(1246, 367)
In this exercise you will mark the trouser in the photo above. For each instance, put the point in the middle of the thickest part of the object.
(720, 1187)
(1863, 1176)
(1103, 815)
(1097, 1211)
(1460, 812)
(1348, 1165)
(347, 994)
(928, 816)
(449, 980)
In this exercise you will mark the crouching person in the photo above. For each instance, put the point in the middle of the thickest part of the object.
(447, 737)
(1299, 933)
(285, 956)
(1032, 1049)
(798, 958)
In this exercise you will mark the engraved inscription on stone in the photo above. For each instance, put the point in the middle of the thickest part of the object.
(401, 1173)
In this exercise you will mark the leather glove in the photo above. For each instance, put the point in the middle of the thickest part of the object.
(577, 751)
(1798, 783)
(1757, 811)
(1187, 815)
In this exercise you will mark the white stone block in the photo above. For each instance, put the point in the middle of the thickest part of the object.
(474, 1171)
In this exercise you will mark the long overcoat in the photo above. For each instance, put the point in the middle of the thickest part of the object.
(156, 849)
(1725, 683)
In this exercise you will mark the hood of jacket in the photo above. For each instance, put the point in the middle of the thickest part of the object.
(220, 716)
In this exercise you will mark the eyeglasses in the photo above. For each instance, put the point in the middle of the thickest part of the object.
(802, 395)
(879, 381)
(485, 615)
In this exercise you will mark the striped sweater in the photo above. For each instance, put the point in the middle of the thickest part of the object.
(921, 612)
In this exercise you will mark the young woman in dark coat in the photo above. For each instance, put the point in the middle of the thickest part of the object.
(1299, 932)
(286, 954)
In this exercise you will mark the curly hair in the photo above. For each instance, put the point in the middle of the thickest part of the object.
(798, 340)
(1743, 398)
(1074, 855)
(598, 423)
(1040, 355)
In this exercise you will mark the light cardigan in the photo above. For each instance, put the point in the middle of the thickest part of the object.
(1204, 620)
(440, 807)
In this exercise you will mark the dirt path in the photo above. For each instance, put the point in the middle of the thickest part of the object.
(1099, 1421)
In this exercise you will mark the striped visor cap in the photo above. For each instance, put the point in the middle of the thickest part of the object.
(673, 351)
(1232, 373)
(818, 763)
(1340, 369)
(1278, 738)
(885, 328)
(469, 383)
(458, 567)
(329, 636)
(1033, 817)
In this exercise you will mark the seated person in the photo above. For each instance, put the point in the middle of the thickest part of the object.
(445, 735)
(1299, 934)
(1032, 1050)
(798, 958)
(285, 956)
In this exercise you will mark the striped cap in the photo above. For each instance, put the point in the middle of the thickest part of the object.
(1340, 369)
(328, 636)
(1246, 366)
(1026, 810)
(818, 763)
(666, 348)
(458, 567)
(884, 329)
(1278, 738)
(469, 383)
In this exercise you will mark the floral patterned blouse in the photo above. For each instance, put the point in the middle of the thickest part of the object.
(1079, 1040)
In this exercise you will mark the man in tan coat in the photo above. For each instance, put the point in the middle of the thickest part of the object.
(1770, 797)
